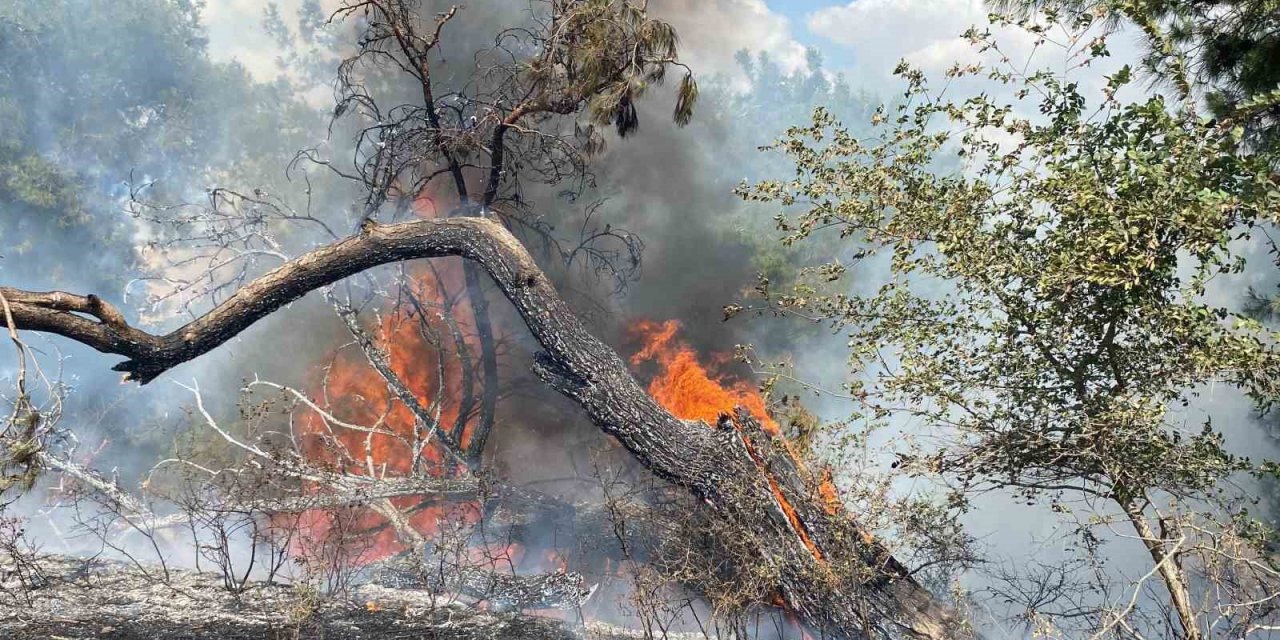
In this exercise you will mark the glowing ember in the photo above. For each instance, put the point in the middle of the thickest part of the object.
(827, 491)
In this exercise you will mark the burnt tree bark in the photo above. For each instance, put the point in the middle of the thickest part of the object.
(85, 598)
(834, 576)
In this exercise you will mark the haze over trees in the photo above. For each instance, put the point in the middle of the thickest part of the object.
(1025, 279)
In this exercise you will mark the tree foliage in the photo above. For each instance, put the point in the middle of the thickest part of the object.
(588, 59)
(1230, 47)
(1042, 311)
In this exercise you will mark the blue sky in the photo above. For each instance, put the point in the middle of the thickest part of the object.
(863, 38)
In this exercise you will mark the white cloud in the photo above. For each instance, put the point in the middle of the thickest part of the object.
(924, 32)
(927, 34)
(712, 31)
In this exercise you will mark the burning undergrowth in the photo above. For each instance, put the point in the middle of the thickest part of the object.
(373, 467)
(375, 470)
(632, 547)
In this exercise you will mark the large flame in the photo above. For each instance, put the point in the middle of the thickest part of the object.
(690, 391)
(424, 354)
(684, 386)
(426, 338)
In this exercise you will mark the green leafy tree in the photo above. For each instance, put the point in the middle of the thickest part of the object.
(94, 103)
(1043, 315)
(1229, 47)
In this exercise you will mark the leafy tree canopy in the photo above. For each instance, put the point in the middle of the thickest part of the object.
(1042, 312)
(1231, 48)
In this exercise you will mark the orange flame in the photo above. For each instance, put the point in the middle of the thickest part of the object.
(358, 395)
(827, 491)
(425, 355)
(690, 392)
(684, 387)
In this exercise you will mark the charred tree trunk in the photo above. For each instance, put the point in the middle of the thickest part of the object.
(81, 598)
(830, 573)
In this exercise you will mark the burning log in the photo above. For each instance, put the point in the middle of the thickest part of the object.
(828, 571)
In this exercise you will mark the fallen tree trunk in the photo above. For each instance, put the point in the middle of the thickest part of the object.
(502, 591)
(834, 576)
(83, 598)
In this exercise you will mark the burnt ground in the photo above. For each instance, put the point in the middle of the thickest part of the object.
(79, 598)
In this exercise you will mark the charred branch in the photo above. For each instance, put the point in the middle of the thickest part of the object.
(502, 590)
(828, 571)
(79, 598)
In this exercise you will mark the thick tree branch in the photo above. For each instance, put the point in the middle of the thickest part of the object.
(828, 571)
(488, 362)
(81, 598)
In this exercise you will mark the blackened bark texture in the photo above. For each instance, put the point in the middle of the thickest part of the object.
(81, 598)
(503, 591)
(488, 363)
(830, 573)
